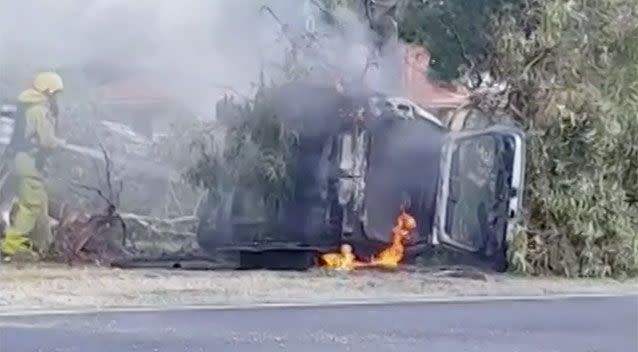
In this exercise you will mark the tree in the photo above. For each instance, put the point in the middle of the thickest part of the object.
(249, 147)
(572, 73)
(573, 67)
(456, 32)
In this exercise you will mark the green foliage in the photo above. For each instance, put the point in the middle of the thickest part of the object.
(574, 69)
(456, 32)
(250, 148)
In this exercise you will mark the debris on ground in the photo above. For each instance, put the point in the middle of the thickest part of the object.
(84, 238)
(154, 237)
(91, 227)
(106, 238)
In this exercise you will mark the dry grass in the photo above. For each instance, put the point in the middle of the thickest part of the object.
(59, 287)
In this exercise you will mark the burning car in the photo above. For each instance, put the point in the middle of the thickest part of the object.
(383, 182)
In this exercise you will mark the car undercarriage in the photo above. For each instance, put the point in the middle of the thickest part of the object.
(360, 165)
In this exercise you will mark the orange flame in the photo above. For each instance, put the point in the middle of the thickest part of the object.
(389, 257)
(344, 260)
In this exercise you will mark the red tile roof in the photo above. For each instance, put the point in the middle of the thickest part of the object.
(416, 86)
(423, 91)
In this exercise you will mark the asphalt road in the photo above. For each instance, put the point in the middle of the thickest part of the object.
(570, 325)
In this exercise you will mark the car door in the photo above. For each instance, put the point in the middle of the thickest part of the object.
(479, 189)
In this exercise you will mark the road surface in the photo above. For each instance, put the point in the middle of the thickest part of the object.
(570, 325)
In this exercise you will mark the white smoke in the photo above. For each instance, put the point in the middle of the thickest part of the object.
(183, 48)
(191, 50)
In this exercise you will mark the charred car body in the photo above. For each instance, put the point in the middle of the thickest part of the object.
(357, 171)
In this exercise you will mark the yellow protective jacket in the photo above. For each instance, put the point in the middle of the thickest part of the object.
(40, 121)
(39, 130)
(30, 226)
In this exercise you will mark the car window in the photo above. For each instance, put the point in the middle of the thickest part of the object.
(472, 189)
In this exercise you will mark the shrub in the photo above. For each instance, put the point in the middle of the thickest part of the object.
(572, 69)
(573, 66)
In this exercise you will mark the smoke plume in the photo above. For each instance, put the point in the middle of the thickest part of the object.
(190, 50)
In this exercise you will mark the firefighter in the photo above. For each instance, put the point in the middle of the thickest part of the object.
(29, 233)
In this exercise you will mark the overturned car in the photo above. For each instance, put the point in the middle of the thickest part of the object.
(357, 171)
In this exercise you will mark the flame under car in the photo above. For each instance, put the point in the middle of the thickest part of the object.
(356, 173)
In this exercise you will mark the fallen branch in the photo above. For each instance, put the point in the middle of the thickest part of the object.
(78, 231)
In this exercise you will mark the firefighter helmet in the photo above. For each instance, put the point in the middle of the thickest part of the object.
(48, 83)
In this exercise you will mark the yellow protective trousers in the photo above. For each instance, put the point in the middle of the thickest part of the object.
(30, 229)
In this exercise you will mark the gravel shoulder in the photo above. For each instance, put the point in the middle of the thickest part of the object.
(52, 287)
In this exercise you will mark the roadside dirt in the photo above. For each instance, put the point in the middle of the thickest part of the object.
(36, 287)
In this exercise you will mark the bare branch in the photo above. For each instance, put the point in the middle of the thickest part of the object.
(107, 170)
(231, 89)
(94, 189)
(284, 27)
(112, 196)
